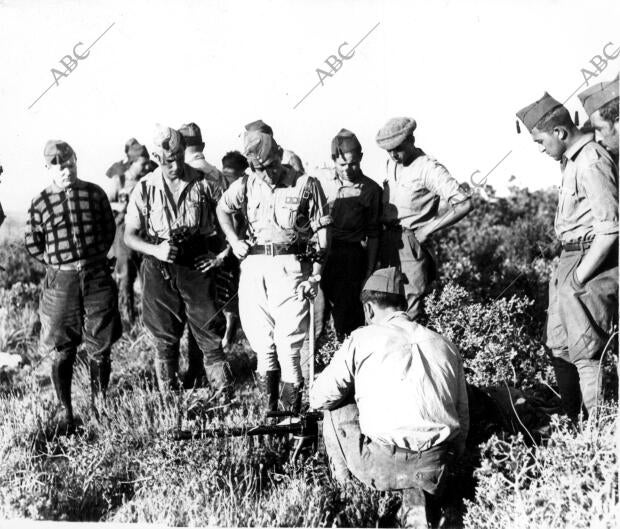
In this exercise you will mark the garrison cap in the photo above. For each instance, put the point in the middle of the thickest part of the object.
(532, 114)
(345, 141)
(136, 151)
(167, 141)
(260, 126)
(388, 280)
(394, 132)
(260, 148)
(191, 134)
(129, 143)
(57, 152)
(599, 94)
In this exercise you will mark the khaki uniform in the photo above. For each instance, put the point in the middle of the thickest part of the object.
(411, 197)
(274, 321)
(581, 317)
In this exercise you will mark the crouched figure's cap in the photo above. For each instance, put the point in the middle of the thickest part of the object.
(394, 132)
(344, 141)
(388, 280)
(260, 126)
(191, 134)
(167, 141)
(533, 113)
(57, 152)
(599, 94)
(259, 148)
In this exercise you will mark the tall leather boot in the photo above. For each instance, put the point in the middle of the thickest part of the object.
(99, 377)
(269, 385)
(290, 397)
(220, 378)
(62, 374)
(166, 371)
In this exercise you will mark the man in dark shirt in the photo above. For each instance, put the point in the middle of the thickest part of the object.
(70, 228)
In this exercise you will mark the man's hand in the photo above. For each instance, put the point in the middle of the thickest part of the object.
(207, 262)
(240, 249)
(165, 252)
(421, 235)
(308, 289)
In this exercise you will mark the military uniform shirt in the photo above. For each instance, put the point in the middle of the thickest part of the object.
(272, 209)
(588, 201)
(159, 213)
(408, 381)
(411, 194)
(353, 206)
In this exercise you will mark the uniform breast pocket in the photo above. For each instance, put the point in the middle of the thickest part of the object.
(193, 213)
(569, 199)
(286, 214)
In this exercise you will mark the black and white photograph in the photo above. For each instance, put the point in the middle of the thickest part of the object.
(309, 263)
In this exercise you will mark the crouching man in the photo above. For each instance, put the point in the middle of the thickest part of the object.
(71, 228)
(397, 403)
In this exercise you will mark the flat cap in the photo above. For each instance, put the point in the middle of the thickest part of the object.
(167, 141)
(259, 148)
(344, 141)
(57, 152)
(533, 113)
(388, 280)
(260, 126)
(599, 94)
(394, 132)
(191, 134)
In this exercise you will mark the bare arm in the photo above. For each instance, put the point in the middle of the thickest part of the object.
(163, 251)
(598, 252)
(239, 247)
(449, 218)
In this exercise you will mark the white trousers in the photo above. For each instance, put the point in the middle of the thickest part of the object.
(273, 320)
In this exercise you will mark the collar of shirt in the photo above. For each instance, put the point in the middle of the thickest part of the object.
(78, 184)
(347, 183)
(399, 314)
(189, 175)
(572, 152)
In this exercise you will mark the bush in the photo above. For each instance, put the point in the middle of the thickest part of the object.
(16, 266)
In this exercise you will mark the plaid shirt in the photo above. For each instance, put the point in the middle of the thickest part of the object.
(67, 226)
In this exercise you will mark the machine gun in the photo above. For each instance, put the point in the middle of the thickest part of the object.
(304, 428)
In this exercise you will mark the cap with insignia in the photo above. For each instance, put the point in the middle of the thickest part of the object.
(191, 134)
(259, 148)
(167, 141)
(57, 152)
(388, 280)
(599, 94)
(260, 126)
(345, 141)
(394, 132)
(532, 114)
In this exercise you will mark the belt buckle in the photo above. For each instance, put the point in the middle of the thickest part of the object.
(269, 249)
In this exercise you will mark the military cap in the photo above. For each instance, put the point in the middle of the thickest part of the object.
(167, 141)
(394, 132)
(260, 148)
(191, 134)
(136, 151)
(599, 94)
(345, 141)
(388, 280)
(57, 152)
(532, 114)
(129, 143)
(260, 126)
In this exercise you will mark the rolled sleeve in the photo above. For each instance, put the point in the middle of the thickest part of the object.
(232, 199)
(601, 188)
(439, 180)
(336, 381)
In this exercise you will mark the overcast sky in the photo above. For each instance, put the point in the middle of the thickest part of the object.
(460, 68)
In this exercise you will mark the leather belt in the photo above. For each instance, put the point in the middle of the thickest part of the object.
(273, 249)
(81, 264)
(572, 246)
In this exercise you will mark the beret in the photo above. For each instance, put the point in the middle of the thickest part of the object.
(394, 132)
(344, 141)
(598, 95)
(259, 148)
(57, 151)
(388, 280)
(533, 113)
(191, 133)
(167, 141)
(260, 126)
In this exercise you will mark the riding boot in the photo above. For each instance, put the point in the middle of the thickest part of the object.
(220, 378)
(62, 373)
(269, 384)
(166, 371)
(290, 397)
(99, 377)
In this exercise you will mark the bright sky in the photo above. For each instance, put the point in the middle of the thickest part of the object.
(460, 68)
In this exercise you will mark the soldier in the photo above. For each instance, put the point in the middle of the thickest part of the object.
(127, 261)
(397, 403)
(583, 291)
(414, 185)
(171, 220)
(601, 103)
(274, 278)
(354, 202)
(194, 155)
(70, 228)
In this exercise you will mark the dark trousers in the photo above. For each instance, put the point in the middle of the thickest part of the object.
(341, 282)
(167, 304)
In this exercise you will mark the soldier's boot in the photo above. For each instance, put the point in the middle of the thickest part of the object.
(166, 372)
(99, 381)
(220, 378)
(290, 397)
(269, 385)
(62, 374)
